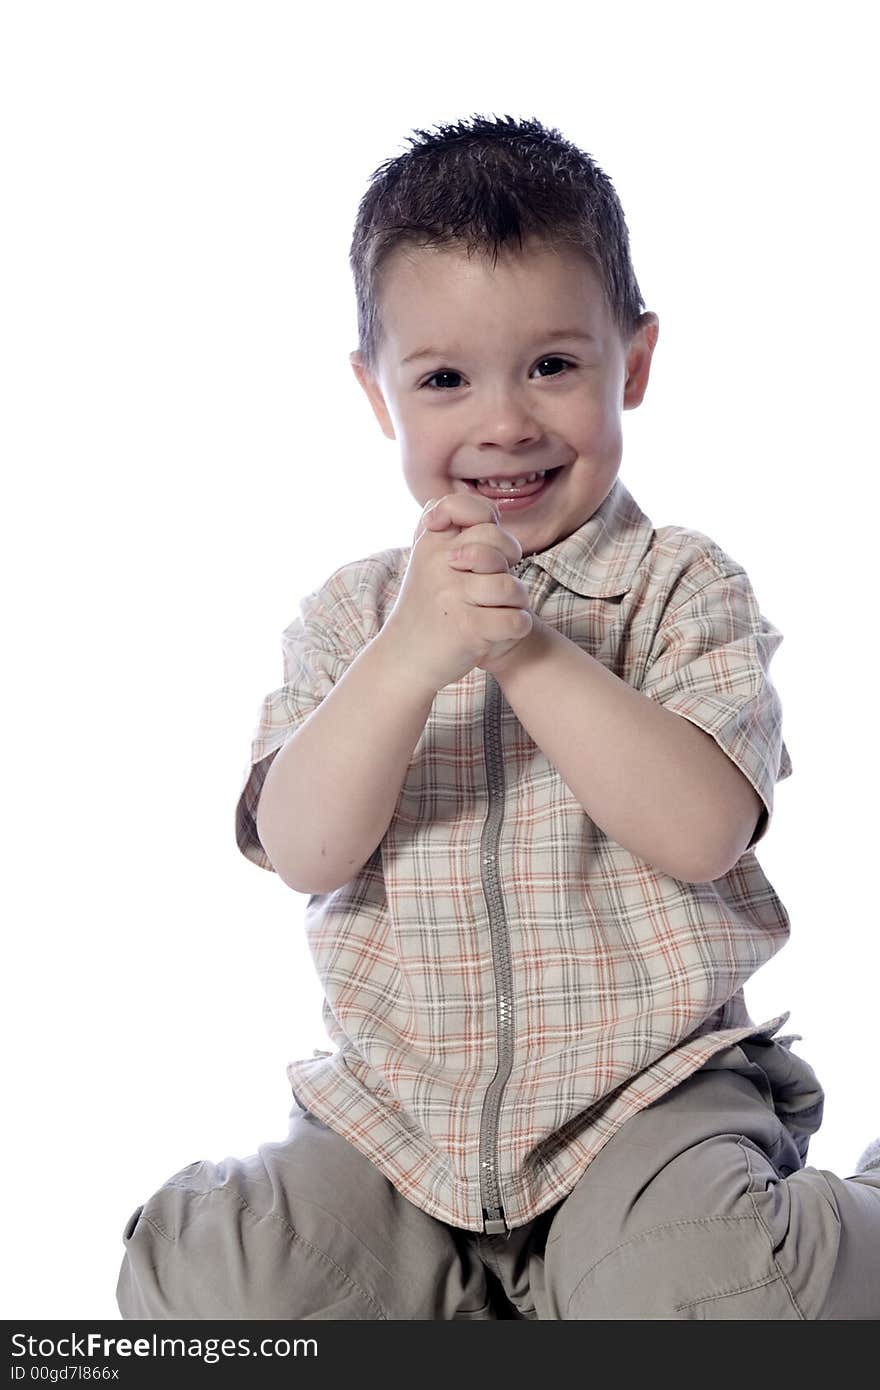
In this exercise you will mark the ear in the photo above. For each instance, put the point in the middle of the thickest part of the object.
(638, 359)
(374, 393)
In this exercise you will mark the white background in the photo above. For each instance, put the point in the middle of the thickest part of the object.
(187, 453)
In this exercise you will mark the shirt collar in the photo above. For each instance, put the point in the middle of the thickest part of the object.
(600, 558)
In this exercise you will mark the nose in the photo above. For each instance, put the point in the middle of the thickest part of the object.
(508, 424)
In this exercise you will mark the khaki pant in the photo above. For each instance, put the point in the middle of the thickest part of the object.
(698, 1207)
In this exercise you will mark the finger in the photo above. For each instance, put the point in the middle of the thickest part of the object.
(487, 534)
(430, 519)
(480, 559)
(466, 509)
(493, 591)
(435, 520)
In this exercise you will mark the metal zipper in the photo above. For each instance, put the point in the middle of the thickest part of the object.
(494, 1220)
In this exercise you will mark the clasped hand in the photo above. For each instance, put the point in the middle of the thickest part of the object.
(481, 546)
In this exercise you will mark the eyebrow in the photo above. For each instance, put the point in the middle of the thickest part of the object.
(542, 337)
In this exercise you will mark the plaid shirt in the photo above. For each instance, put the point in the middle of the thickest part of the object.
(504, 984)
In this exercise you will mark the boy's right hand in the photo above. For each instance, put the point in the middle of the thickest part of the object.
(445, 621)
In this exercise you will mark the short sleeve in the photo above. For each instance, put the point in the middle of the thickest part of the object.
(709, 663)
(316, 651)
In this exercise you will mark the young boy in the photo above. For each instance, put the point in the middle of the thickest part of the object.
(520, 767)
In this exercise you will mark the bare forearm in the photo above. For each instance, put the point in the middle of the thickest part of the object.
(651, 780)
(332, 788)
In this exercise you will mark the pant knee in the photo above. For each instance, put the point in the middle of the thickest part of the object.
(193, 1251)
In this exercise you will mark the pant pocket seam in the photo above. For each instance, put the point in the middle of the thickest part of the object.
(730, 1293)
(157, 1227)
(653, 1231)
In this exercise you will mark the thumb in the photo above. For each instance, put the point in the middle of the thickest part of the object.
(422, 525)
(431, 520)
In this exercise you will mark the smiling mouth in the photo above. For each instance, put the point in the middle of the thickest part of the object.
(540, 484)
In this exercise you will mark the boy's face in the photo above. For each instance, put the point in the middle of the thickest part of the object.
(504, 392)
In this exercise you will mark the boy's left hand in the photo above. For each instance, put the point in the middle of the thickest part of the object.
(477, 556)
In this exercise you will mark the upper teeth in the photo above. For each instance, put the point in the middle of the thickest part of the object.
(511, 482)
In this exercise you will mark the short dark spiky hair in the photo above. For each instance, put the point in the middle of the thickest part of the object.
(478, 184)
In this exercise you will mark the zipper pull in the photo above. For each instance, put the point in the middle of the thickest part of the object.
(493, 1226)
